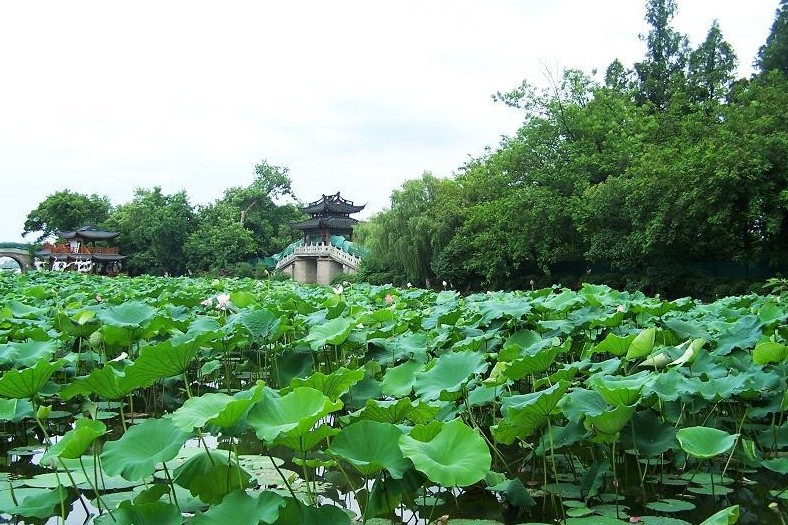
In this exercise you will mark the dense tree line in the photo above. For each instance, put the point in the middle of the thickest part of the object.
(166, 234)
(640, 173)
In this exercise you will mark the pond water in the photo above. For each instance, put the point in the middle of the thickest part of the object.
(22, 455)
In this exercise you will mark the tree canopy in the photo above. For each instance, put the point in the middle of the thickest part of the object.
(645, 172)
(66, 211)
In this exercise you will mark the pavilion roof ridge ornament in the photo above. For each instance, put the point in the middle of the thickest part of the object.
(332, 204)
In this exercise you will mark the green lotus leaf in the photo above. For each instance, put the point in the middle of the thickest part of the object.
(402, 346)
(524, 414)
(211, 476)
(449, 373)
(240, 508)
(305, 441)
(610, 421)
(106, 383)
(156, 513)
(528, 353)
(690, 353)
(398, 380)
(27, 383)
(769, 352)
(670, 505)
(136, 454)
(651, 436)
(130, 314)
(294, 413)
(39, 504)
(261, 324)
(164, 359)
(396, 411)
(614, 344)
(594, 520)
(779, 465)
(217, 409)
(333, 385)
(620, 390)
(727, 516)
(642, 344)
(456, 456)
(333, 332)
(76, 441)
(296, 513)
(705, 442)
(15, 410)
(371, 446)
(27, 354)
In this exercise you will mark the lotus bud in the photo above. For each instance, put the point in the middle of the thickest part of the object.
(43, 412)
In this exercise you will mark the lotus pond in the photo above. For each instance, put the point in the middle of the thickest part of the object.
(194, 401)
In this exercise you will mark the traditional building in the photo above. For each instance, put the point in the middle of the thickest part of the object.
(84, 250)
(326, 249)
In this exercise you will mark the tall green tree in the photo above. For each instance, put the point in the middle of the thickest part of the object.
(257, 208)
(666, 56)
(711, 68)
(66, 211)
(773, 55)
(153, 230)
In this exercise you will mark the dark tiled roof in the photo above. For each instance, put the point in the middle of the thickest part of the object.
(334, 223)
(88, 232)
(332, 204)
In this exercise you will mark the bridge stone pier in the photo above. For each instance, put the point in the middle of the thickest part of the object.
(22, 257)
(318, 264)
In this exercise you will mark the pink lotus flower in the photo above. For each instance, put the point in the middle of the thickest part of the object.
(389, 298)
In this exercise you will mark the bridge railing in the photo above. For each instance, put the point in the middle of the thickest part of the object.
(321, 250)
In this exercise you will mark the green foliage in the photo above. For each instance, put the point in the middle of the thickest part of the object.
(664, 165)
(773, 55)
(153, 229)
(66, 211)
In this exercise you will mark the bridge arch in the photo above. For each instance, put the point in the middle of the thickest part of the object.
(22, 257)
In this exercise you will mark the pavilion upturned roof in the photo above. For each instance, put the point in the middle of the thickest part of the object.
(331, 223)
(90, 233)
(332, 204)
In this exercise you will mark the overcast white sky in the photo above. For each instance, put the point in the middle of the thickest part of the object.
(352, 96)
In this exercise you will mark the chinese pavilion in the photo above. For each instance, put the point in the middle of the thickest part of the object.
(84, 250)
(326, 249)
(330, 216)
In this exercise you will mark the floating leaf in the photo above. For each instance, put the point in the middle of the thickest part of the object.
(670, 505)
(39, 504)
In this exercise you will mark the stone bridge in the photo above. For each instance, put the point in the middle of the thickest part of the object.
(22, 257)
(318, 263)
